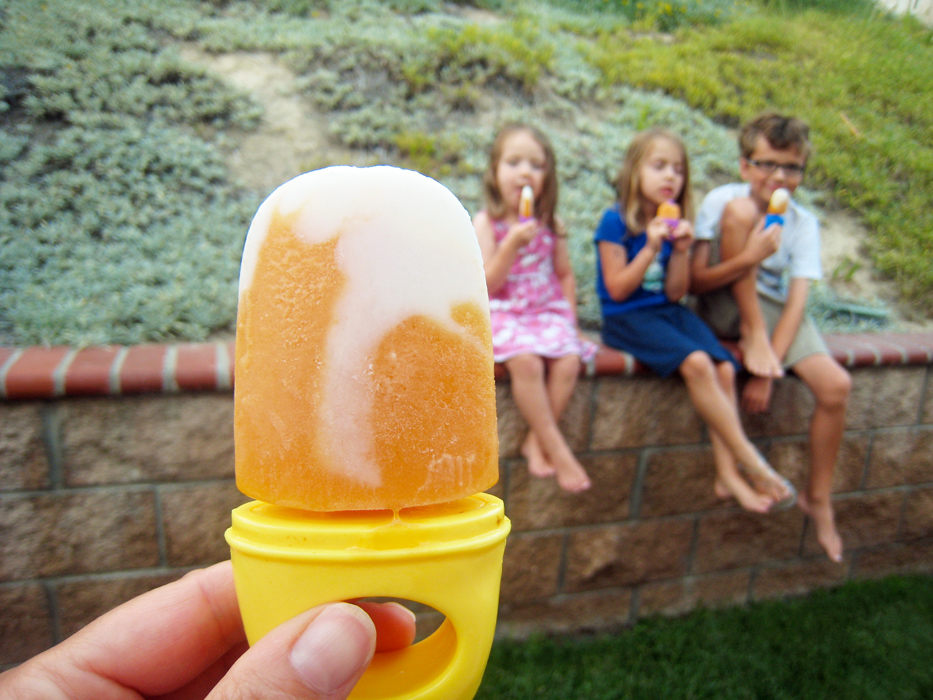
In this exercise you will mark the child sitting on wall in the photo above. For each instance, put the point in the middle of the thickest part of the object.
(752, 283)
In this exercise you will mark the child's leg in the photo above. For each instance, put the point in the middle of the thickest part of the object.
(720, 414)
(530, 393)
(730, 484)
(738, 223)
(831, 385)
(728, 480)
(756, 396)
(562, 376)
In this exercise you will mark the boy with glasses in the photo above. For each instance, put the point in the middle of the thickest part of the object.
(752, 282)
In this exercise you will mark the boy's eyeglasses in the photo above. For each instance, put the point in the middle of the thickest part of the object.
(769, 166)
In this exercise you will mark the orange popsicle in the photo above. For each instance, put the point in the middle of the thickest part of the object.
(670, 212)
(526, 204)
(364, 370)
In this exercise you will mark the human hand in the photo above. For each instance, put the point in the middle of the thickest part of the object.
(682, 236)
(522, 233)
(186, 640)
(763, 242)
(757, 394)
(658, 230)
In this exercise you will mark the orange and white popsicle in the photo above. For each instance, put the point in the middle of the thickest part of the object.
(526, 204)
(364, 370)
(670, 212)
(777, 205)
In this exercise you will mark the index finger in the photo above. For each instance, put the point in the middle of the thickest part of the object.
(165, 638)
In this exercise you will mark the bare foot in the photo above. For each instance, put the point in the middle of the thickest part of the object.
(746, 496)
(571, 475)
(756, 396)
(768, 482)
(759, 357)
(538, 464)
(821, 513)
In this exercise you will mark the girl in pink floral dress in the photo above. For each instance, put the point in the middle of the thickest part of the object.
(532, 297)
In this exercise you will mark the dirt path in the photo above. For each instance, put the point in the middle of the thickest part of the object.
(292, 139)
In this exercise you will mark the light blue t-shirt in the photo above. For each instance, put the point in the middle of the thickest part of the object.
(798, 256)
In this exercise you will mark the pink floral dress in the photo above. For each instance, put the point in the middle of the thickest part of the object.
(529, 312)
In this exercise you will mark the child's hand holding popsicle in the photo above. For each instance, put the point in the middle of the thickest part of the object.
(670, 212)
(522, 233)
(681, 232)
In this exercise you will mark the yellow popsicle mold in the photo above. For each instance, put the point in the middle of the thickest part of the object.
(447, 556)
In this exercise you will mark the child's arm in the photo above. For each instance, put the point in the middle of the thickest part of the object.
(791, 317)
(760, 244)
(563, 268)
(498, 259)
(739, 219)
(623, 276)
(677, 278)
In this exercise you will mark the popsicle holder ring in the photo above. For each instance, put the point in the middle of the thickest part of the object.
(447, 556)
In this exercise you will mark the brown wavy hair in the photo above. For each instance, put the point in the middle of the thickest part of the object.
(628, 183)
(546, 204)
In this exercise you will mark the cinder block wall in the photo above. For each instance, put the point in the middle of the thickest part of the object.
(116, 476)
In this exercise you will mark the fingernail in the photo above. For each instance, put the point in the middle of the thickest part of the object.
(334, 648)
(401, 608)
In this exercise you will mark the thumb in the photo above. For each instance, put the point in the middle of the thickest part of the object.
(319, 654)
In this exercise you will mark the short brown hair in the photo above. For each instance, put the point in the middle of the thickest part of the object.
(780, 131)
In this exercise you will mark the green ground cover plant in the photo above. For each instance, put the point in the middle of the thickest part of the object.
(121, 221)
(867, 101)
(866, 640)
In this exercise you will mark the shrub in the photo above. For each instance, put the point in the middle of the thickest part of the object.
(110, 140)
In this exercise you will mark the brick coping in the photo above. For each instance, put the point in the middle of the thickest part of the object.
(114, 370)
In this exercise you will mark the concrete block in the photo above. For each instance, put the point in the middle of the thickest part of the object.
(621, 555)
(900, 456)
(77, 533)
(639, 411)
(145, 439)
(531, 568)
(535, 504)
(23, 460)
(26, 624)
(195, 519)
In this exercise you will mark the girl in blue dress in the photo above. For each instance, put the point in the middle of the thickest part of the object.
(643, 273)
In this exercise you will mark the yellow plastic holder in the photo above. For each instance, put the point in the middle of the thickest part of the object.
(447, 556)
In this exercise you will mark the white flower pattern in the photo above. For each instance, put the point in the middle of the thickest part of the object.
(529, 313)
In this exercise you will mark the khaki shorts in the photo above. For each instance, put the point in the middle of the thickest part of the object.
(721, 313)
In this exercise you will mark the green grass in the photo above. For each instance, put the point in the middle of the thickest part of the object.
(121, 222)
(867, 101)
(863, 641)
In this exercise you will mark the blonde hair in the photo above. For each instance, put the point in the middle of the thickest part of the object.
(546, 204)
(628, 180)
